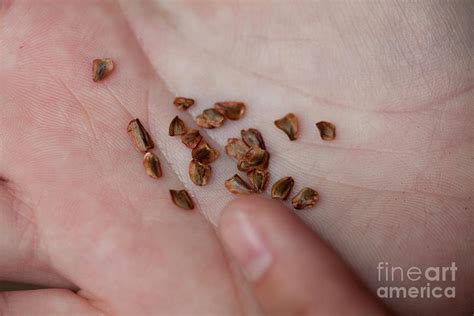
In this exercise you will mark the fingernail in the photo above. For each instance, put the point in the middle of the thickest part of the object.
(246, 245)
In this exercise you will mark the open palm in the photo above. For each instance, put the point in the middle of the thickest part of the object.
(78, 210)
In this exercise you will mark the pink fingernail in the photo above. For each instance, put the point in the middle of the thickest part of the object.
(247, 246)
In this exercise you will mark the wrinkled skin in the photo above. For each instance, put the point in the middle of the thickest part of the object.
(78, 211)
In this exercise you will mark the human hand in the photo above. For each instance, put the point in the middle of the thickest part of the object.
(87, 216)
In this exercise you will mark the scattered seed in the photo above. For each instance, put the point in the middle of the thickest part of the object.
(182, 199)
(236, 148)
(327, 130)
(183, 103)
(140, 137)
(204, 153)
(230, 109)
(237, 185)
(192, 138)
(177, 127)
(152, 165)
(282, 188)
(288, 124)
(252, 137)
(306, 198)
(199, 172)
(101, 68)
(210, 118)
(258, 179)
(254, 158)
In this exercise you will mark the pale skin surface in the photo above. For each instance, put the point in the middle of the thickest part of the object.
(77, 210)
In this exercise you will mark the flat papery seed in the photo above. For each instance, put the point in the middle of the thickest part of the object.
(183, 103)
(210, 118)
(192, 138)
(289, 124)
(236, 148)
(252, 137)
(327, 130)
(152, 165)
(177, 127)
(204, 153)
(140, 137)
(101, 68)
(254, 158)
(202, 121)
(258, 179)
(231, 109)
(199, 172)
(182, 199)
(237, 185)
(282, 188)
(306, 198)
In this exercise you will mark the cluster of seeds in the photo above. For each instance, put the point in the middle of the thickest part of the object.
(202, 153)
(249, 151)
(253, 158)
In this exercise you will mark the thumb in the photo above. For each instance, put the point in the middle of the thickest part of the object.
(291, 270)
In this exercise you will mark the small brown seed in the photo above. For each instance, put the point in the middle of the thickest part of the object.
(177, 127)
(237, 185)
(282, 188)
(210, 118)
(258, 179)
(254, 158)
(230, 109)
(252, 137)
(236, 148)
(183, 103)
(289, 124)
(306, 198)
(202, 121)
(192, 138)
(327, 130)
(101, 68)
(152, 165)
(140, 137)
(182, 199)
(199, 172)
(204, 153)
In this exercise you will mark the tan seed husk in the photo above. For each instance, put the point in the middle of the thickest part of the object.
(237, 185)
(254, 158)
(252, 137)
(182, 199)
(306, 198)
(140, 137)
(231, 109)
(204, 153)
(152, 165)
(199, 172)
(183, 103)
(192, 138)
(210, 118)
(236, 148)
(327, 130)
(177, 127)
(258, 179)
(282, 188)
(289, 124)
(101, 68)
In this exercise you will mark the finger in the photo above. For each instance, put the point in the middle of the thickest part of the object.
(291, 270)
(45, 303)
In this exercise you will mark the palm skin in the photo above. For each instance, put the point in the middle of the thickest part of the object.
(80, 212)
